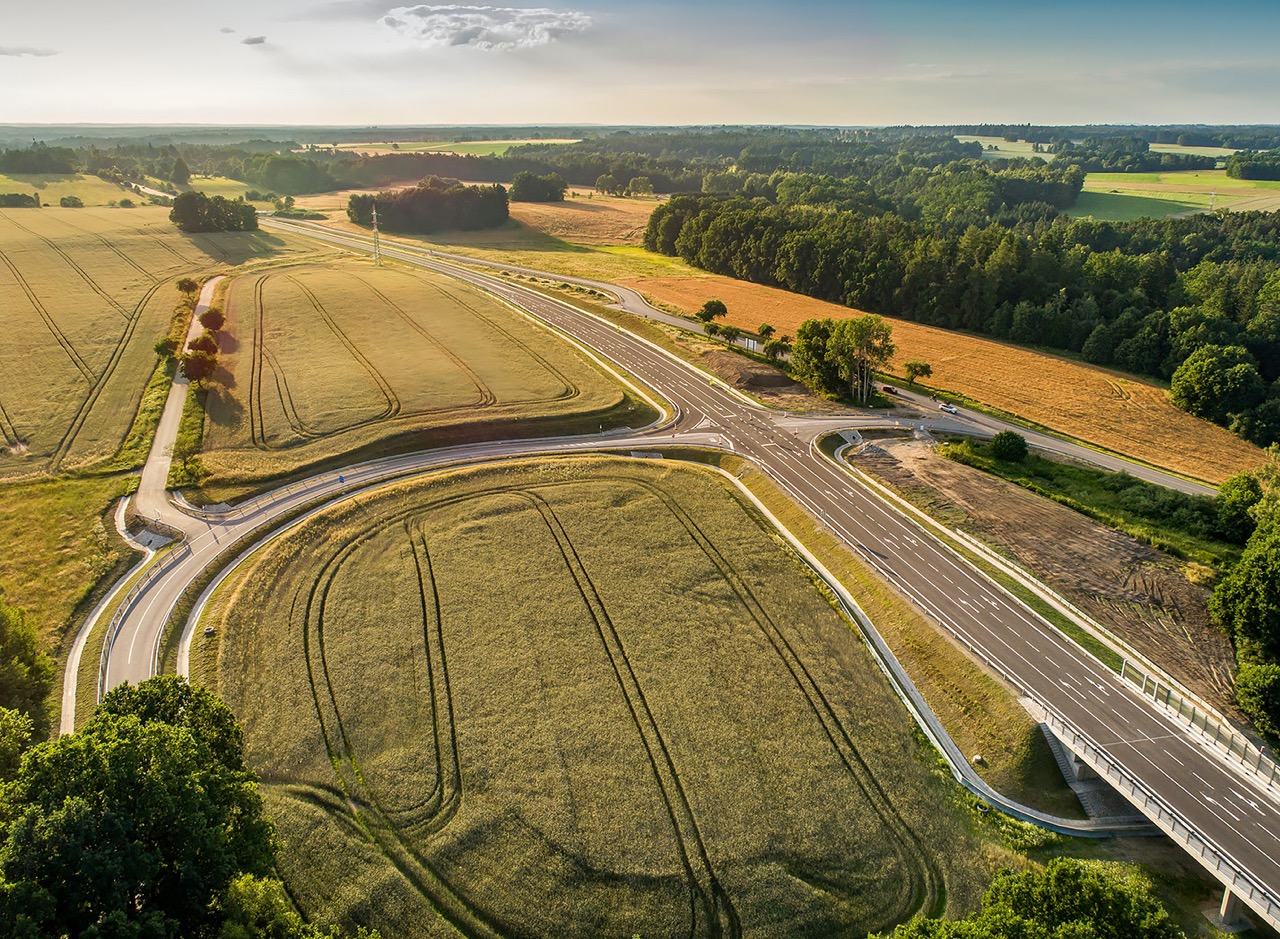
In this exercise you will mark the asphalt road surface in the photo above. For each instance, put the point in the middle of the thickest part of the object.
(1239, 818)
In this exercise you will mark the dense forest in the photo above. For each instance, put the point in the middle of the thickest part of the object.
(433, 205)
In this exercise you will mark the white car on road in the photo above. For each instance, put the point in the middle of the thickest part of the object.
(949, 408)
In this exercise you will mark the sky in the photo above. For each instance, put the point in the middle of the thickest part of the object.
(826, 62)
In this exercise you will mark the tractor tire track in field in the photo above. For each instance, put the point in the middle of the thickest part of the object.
(446, 793)
(377, 822)
(58, 334)
(926, 891)
(10, 433)
(570, 391)
(262, 359)
(86, 406)
(393, 402)
(93, 284)
(487, 397)
(711, 910)
(111, 246)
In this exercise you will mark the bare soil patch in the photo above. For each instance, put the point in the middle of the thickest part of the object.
(1138, 593)
(1117, 412)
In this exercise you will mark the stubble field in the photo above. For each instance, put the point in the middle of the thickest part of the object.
(84, 295)
(1107, 409)
(344, 360)
(466, 694)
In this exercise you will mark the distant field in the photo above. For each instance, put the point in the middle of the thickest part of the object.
(53, 186)
(466, 694)
(1005, 149)
(1126, 196)
(328, 360)
(84, 295)
(1219, 152)
(473, 147)
(1123, 414)
(588, 220)
(1125, 206)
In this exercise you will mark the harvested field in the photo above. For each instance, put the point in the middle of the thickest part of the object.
(84, 295)
(1138, 593)
(1119, 413)
(343, 360)
(466, 695)
(585, 219)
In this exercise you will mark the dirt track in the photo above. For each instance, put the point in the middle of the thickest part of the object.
(1137, 592)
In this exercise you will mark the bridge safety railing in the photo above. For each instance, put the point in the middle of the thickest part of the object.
(1211, 726)
(1242, 881)
(1150, 680)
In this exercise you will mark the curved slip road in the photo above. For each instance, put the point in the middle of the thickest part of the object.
(1236, 822)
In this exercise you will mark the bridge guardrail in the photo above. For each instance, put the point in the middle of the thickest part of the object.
(1208, 723)
(1243, 882)
(1149, 679)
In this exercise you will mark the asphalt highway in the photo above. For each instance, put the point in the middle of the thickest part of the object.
(1239, 818)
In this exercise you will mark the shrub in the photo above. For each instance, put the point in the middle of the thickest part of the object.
(213, 319)
(71, 202)
(1009, 445)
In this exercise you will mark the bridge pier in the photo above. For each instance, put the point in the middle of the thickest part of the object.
(1230, 911)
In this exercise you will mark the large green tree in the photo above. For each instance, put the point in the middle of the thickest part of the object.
(1068, 899)
(26, 673)
(136, 825)
(1216, 382)
(859, 347)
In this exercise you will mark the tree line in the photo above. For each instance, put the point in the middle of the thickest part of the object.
(196, 212)
(433, 205)
(1143, 296)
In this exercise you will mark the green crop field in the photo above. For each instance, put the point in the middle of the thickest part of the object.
(53, 186)
(1006, 149)
(326, 361)
(84, 295)
(1125, 196)
(1125, 206)
(470, 692)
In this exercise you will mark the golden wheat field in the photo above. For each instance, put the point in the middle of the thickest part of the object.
(337, 361)
(466, 693)
(1116, 412)
(84, 295)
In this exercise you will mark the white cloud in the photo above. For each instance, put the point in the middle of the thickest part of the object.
(226, 29)
(253, 40)
(487, 28)
(26, 50)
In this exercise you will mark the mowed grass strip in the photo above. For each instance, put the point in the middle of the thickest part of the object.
(578, 697)
(84, 295)
(322, 362)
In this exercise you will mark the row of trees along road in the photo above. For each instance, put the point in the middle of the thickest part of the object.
(1246, 601)
(196, 212)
